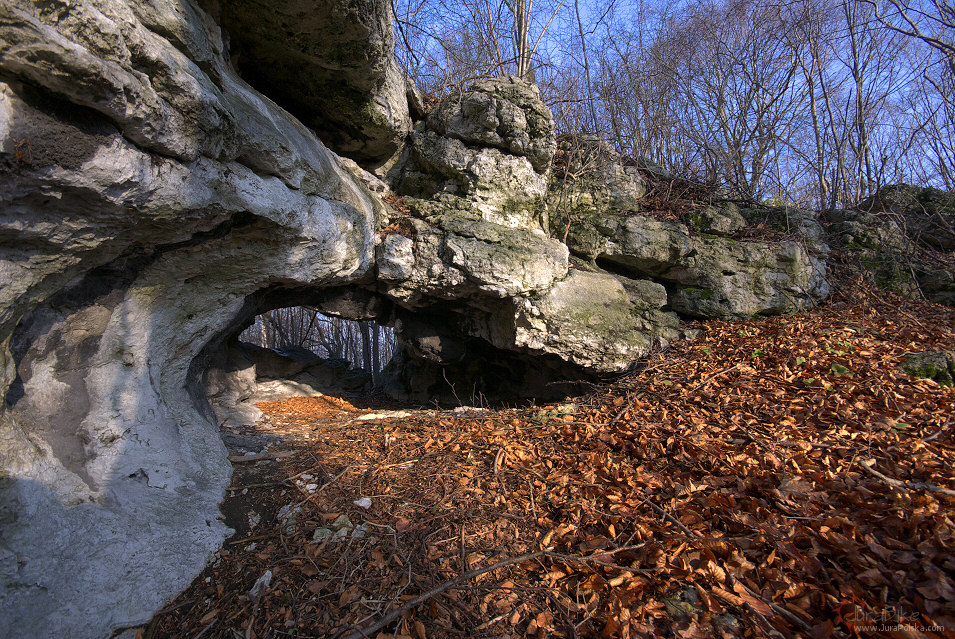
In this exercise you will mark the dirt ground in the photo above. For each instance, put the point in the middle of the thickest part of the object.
(777, 477)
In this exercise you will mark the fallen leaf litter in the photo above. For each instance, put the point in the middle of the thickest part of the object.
(766, 479)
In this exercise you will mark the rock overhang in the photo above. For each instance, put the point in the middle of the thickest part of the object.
(188, 203)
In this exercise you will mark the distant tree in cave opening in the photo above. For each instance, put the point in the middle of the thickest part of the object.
(365, 344)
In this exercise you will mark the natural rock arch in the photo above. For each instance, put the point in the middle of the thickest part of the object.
(151, 202)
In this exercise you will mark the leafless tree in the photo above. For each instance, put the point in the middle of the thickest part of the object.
(365, 344)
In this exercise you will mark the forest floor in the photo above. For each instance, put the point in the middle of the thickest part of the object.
(775, 477)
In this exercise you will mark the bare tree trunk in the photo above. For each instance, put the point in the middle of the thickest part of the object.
(375, 355)
(522, 43)
(366, 346)
(583, 47)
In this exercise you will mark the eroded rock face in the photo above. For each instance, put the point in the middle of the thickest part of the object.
(881, 246)
(925, 215)
(491, 145)
(152, 202)
(451, 252)
(331, 64)
(147, 196)
(705, 274)
(593, 176)
(902, 237)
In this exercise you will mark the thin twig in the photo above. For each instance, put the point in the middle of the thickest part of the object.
(206, 629)
(169, 609)
(908, 485)
(238, 459)
(670, 517)
(253, 538)
(711, 378)
(448, 585)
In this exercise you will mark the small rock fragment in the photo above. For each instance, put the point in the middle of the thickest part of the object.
(261, 585)
(321, 534)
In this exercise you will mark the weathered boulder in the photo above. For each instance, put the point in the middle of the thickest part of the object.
(587, 319)
(880, 246)
(722, 220)
(706, 275)
(491, 145)
(452, 252)
(935, 365)
(590, 175)
(701, 254)
(230, 383)
(300, 365)
(789, 221)
(329, 63)
(924, 214)
(729, 278)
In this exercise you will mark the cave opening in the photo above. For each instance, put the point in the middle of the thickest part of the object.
(353, 343)
(306, 335)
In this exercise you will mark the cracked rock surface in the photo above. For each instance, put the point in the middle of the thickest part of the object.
(152, 202)
(147, 195)
(491, 145)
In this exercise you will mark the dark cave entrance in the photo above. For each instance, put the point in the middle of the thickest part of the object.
(303, 333)
(353, 343)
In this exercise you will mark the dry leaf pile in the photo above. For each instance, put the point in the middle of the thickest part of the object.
(776, 477)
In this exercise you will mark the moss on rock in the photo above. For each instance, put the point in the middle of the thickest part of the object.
(935, 365)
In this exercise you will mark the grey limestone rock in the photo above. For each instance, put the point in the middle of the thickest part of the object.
(706, 275)
(585, 319)
(934, 365)
(329, 63)
(458, 255)
(879, 244)
(594, 178)
(148, 197)
(718, 220)
(926, 215)
(728, 278)
(152, 202)
(491, 145)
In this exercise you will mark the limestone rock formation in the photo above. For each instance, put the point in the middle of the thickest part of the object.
(149, 199)
(924, 214)
(329, 63)
(883, 246)
(706, 275)
(491, 145)
(152, 203)
(453, 253)
(592, 176)
(934, 365)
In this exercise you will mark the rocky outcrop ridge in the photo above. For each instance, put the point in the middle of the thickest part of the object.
(152, 202)
(925, 215)
(490, 145)
(901, 239)
(705, 258)
(149, 201)
(706, 275)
